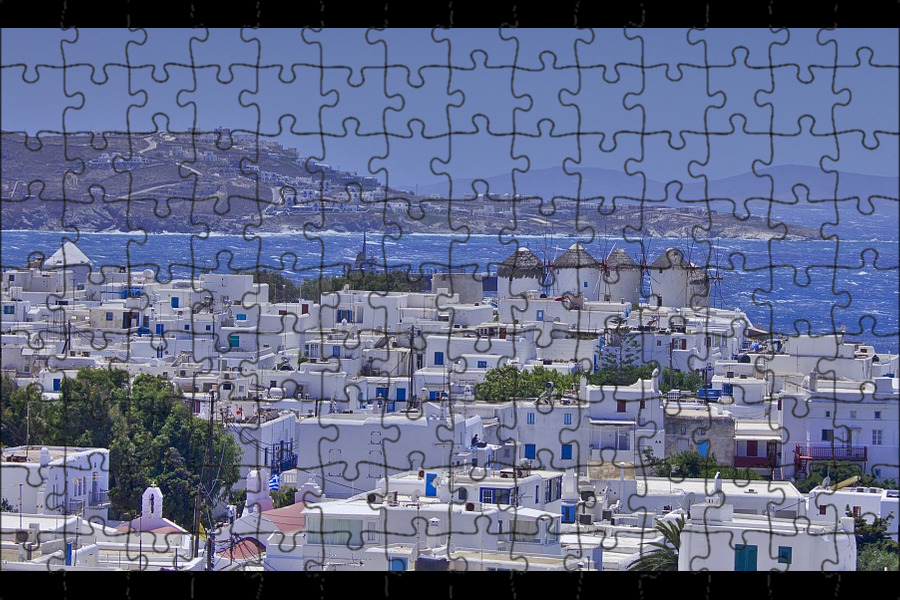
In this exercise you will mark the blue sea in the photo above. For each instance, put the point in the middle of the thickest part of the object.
(784, 286)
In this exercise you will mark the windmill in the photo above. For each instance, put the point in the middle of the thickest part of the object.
(716, 276)
(646, 239)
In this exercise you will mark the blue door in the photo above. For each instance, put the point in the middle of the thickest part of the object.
(401, 394)
(744, 557)
(703, 448)
(568, 513)
(398, 564)
(430, 490)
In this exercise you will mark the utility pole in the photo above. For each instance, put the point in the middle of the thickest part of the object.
(410, 362)
(671, 372)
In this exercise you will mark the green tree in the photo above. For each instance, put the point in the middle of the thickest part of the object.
(882, 556)
(664, 557)
(281, 289)
(691, 464)
(622, 376)
(88, 403)
(839, 471)
(282, 497)
(5, 506)
(875, 550)
(681, 380)
(151, 434)
(392, 281)
(506, 382)
(22, 413)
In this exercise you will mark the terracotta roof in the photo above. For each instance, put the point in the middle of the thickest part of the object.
(576, 257)
(521, 263)
(245, 549)
(288, 519)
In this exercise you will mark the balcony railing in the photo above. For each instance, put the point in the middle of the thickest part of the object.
(759, 462)
(73, 507)
(98, 499)
(831, 452)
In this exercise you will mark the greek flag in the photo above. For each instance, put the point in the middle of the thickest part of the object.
(273, 482)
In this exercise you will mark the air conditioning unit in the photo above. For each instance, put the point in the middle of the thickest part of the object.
(373, 498)
(470, 506)
(586, 519)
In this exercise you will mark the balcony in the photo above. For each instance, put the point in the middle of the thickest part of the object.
(755, 462)
(73, 507)
(98, 499)
(830, 452)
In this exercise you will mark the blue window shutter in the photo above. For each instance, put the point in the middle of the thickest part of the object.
(567, 452)
(530, 451)
(438, 358)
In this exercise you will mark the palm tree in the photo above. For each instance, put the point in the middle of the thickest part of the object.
(665, 557)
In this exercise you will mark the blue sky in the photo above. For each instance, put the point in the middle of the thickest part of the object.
(419, 106)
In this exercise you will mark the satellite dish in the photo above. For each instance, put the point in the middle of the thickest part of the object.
(687, 500)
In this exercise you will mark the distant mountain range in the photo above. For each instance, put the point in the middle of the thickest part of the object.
(865, 201)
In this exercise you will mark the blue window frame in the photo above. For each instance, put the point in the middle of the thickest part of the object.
(567, 452)
(727, 389)
(785, 553)
(530, 451)
(160, 329)
(242, 317)
(187, 327)
(209, 327)
(438, 358)
(585, 284)
(234, 340)
(336, 351)
(745, 557)
(568, 513)
(567, 418)
(432, 395)
(109, 316)
(56, 384)
(174, 301)
(482, 364)
(529, 418)
(9, 309)
(540, 315)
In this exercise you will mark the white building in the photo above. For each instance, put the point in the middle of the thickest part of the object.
(716, 539)
(56, 480)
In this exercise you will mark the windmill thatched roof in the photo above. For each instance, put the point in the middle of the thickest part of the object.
(576, 257)
(521, 263)
(619, 259)
(671, 258)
